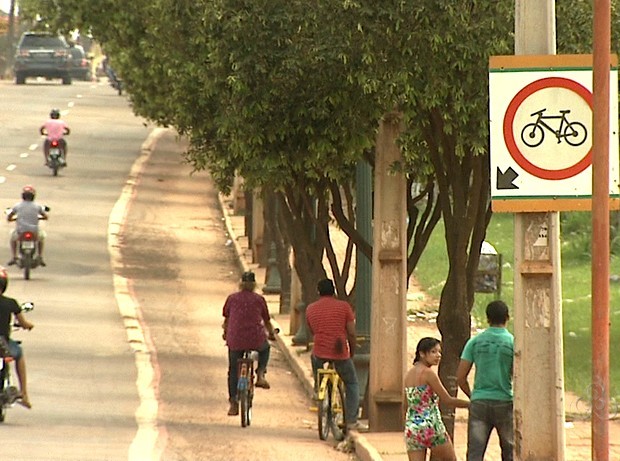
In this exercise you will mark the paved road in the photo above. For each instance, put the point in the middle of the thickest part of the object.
(81, 369)
(175, 252)
(126, 360)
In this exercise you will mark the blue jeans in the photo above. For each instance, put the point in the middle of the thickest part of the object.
(346, 371)
(233, 356)
(484, 415)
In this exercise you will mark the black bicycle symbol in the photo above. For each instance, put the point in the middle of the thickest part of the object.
(574, 133)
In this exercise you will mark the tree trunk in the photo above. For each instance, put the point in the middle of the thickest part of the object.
(301, 230)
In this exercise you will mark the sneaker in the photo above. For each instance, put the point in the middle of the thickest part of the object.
(233, 410)
(262, 383)
(12, 262)
(356, 426)
(41, 262)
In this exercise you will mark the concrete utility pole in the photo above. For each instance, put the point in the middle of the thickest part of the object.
(389, 283)
(538, 366)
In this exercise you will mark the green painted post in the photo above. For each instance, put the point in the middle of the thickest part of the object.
(363, 291)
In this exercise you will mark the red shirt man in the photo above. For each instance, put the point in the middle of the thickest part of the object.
(329, 320)
(332, 323)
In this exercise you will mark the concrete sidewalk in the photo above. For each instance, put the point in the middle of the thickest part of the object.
(389, 446)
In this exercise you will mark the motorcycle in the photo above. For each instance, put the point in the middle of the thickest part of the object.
(27, 249)
(56, 156)
(27, 260)
(9, 394)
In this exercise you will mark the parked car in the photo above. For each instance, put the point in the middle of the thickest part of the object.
(80, 64)
(41, 54)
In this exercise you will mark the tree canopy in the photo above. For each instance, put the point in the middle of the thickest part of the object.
(289, 94)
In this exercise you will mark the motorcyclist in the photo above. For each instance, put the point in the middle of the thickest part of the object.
(9, 308)
(54, 129)
(26, 214)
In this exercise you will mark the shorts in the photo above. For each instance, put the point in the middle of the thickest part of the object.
(15, 349)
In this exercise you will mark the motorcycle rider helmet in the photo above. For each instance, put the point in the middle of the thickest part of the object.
(28, 193)
(4, 279)
(55, 113)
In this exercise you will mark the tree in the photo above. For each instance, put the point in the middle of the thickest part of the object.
(279, 90)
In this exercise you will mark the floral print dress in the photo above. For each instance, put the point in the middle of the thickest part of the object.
(424, 427)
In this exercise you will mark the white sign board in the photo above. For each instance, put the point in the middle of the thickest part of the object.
(541, 133)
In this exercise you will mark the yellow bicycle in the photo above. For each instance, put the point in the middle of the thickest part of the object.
(330, 401)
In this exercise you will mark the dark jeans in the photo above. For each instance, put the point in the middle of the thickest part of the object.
(233, 356)
(346, 371)
(484, 415)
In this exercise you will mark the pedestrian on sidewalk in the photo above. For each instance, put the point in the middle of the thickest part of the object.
(247, 326)
(424, 428)
(492, 352)
(332, 323)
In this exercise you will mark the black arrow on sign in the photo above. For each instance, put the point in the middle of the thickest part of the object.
(504, 180)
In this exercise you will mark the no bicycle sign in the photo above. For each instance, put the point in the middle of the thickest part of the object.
(541, 133)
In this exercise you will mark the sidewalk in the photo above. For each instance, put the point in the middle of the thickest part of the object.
(389, 446)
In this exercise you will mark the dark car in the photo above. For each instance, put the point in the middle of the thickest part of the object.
(80, 64)
(41, 54)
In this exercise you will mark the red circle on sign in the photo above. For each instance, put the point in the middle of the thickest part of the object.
(550, 82)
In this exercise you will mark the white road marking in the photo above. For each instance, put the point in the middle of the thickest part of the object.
(33, 147)
(24, 155)
(11, 167)
(2, 179)
(71, 104)
(151, 438)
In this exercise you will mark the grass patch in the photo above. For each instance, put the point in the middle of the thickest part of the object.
(576, 292)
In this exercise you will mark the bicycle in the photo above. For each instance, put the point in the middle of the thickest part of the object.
(246, 382)
(245, 386)
(574, 133)
(330, 401)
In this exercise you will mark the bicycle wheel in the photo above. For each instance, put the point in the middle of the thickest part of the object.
(324, 412)
(245, 407)
(337, 413)
(575, 134)
(532, 135)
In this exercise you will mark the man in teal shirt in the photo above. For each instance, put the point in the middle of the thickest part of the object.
(492, 353)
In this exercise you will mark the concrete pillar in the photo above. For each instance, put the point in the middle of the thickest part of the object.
(389, 284)
(238, 195)
(258, 229)
(538, 366)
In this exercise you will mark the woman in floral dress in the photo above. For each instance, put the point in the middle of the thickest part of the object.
(424, 428)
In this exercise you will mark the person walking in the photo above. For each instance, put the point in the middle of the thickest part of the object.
(332, 323)
(492, 353)
(247, 326)
(424, 428)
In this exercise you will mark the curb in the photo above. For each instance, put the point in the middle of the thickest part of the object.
(362, 447)
(299, 372)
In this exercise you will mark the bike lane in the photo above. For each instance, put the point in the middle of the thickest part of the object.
(174, 270)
